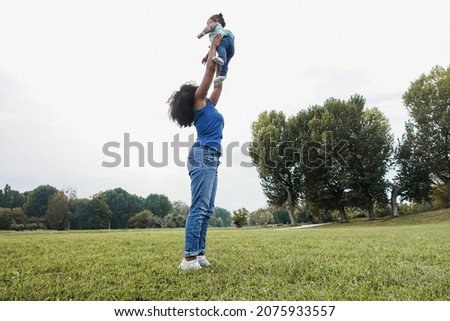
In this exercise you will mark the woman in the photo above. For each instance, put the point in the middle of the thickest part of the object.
(190, 105)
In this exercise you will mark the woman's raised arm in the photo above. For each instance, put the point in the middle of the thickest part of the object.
(202, 90)
(215, 95)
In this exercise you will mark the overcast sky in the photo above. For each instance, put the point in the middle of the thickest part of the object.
(76, 75)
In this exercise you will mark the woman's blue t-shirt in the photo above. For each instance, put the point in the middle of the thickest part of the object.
(209, 124)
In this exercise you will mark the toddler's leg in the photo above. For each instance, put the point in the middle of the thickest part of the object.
(221, 57)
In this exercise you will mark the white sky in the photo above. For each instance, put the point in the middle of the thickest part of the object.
(75, 75)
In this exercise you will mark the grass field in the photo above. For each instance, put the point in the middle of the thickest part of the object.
(407, 258)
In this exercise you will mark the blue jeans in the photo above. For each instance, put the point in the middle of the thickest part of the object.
(202, 166)
(225, 50)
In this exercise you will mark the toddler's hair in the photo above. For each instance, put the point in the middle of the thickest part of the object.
(219, 18)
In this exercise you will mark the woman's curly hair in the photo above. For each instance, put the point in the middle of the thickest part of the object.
(181, 105)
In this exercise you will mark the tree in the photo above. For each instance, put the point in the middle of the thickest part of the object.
(6, 218)
(81, 214)
(394, 204)
(177, 216)
(71, 194)
(123, 205)
(413, 179)
(10, 198)
(57, 214)
(19, 199)
(329, 157)
(180, 208)
(333, 130)
(220, 218)
(428, 103)
(100, 214)
(273, 154)
(215, 221)
(346, 157)
(261, 217)
(158, 204)
(373, 149)
(37, 200)
(280, 215)
(240, 217)
(6, 197)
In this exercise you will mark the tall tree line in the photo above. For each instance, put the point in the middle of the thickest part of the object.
(337, 155)
(333, 156)
(46, 207)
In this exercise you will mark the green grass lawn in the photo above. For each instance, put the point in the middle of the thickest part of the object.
(407, 258)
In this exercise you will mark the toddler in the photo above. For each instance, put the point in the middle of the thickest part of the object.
(225, 50)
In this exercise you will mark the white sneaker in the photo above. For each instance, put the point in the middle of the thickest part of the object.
(218, 80)
(189, 265)
(218, 60)
(203, 261)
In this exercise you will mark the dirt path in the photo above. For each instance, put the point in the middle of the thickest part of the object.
(305, 226)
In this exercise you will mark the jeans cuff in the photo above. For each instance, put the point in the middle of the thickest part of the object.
(193, 253)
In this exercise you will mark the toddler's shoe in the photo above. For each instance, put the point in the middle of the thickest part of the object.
(218, 60)
(189, 265)
(218, 80)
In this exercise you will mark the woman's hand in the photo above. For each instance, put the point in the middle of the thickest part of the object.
(204, 60)
(216, 41)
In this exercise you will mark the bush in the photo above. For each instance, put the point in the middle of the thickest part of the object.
(143, 219)
(175, 220)
(414, 208)
(5, 218)
(383, 211)
(240, 217)
(13, 219)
